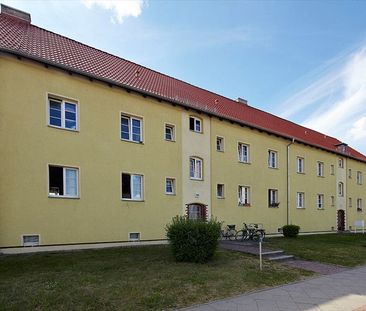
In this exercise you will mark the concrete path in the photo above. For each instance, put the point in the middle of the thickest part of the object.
(343, 291)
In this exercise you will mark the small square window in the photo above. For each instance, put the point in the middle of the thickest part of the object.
(219, 143)
(220, 191)
(195, 124)
(134, 236)
(169, 132)
(170, 186)
(31, 240)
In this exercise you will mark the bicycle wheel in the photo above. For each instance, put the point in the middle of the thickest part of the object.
(240, 235)
(262, 234)
(232, 234)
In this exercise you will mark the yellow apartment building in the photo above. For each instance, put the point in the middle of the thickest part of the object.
(97, 149)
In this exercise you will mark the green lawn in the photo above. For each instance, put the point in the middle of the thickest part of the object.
(340, 249)
(145, 278)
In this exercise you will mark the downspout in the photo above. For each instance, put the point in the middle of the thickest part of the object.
(288, 219)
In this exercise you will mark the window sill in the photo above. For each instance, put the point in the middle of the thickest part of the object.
(196, 131)
(359, 210)
(132, 200)
(273, 168)
(243, 162)
(300, 207)
(244, 205)
(320, 208)
(321, 176)
(196, 179)
(222, 151)
(62, 197)
(170, 193)
(169, 140)
(220, 198)
(63, 128)
(132, 141)
(301, 173)
(274, 206)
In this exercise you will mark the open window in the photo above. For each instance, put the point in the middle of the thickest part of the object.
(63, 181)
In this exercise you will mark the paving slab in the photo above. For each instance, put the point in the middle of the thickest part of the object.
(331, 292)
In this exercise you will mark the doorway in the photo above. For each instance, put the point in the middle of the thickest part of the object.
(196, 211)
(340, 220)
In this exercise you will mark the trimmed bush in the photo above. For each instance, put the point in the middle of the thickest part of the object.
(193, 240)
(290, 231)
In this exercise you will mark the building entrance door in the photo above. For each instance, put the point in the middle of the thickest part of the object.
(340, 220)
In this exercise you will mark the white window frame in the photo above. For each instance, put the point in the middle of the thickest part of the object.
(30, 244)
(273, 198)
(359, 205)
(300, 165)
(272, 159)
(131, 187)
(196, 121)
(64, 168)
(243, 195)
(220, 144)
(172, 180)
(241, 157)
(63, 101)
(222, 196)
(340, 189)
(359, 178)
(172, 127)
(349, 173)
(134, 239)
(300, 199)
(340, 162)
(197, 174)
(130, 119)
(320, 201)
(320, 169)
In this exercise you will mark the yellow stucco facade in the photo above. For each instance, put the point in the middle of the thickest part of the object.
(99, 214)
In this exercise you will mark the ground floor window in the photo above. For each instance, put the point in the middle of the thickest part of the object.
(244, 195)
(273, 198)
(132, 187)
(63, 181)
(300, 199)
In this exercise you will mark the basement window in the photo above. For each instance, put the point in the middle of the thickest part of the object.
(30, 240)
(63, 181)
(134, 236)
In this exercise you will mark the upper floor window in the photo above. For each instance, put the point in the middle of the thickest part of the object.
(243, 153)
(359, 178)
(62, 113)
(219, 143)
(170, 186)
(349, 173)
(300, 164)
(300, 200)
(340, 189)
(132, 187)
(63, 181)
(273, 198)
(340, 163)
(131, 128)
(332, 169)
(359, 205)
(244, 195)
(195, 168)
(320, 201)
(220, 193)
(169, 132)
(320, 169)
(350, 202)
(272, 159)
(195, 124)
(332, 200)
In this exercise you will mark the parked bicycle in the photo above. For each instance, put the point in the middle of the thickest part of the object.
(253, 232)
(229, 232)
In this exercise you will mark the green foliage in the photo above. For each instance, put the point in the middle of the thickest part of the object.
(193, 240)
(290, 231)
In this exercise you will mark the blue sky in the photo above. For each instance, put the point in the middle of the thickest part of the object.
(305, 61)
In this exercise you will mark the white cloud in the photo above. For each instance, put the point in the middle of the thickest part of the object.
(120, 8)
(335, 103)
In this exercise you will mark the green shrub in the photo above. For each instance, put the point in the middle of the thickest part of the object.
(193, 240)
(290, 231)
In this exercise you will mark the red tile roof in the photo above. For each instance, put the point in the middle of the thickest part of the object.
(24, 39)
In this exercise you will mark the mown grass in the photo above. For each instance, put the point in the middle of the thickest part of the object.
(145, 278)
(340, 249)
